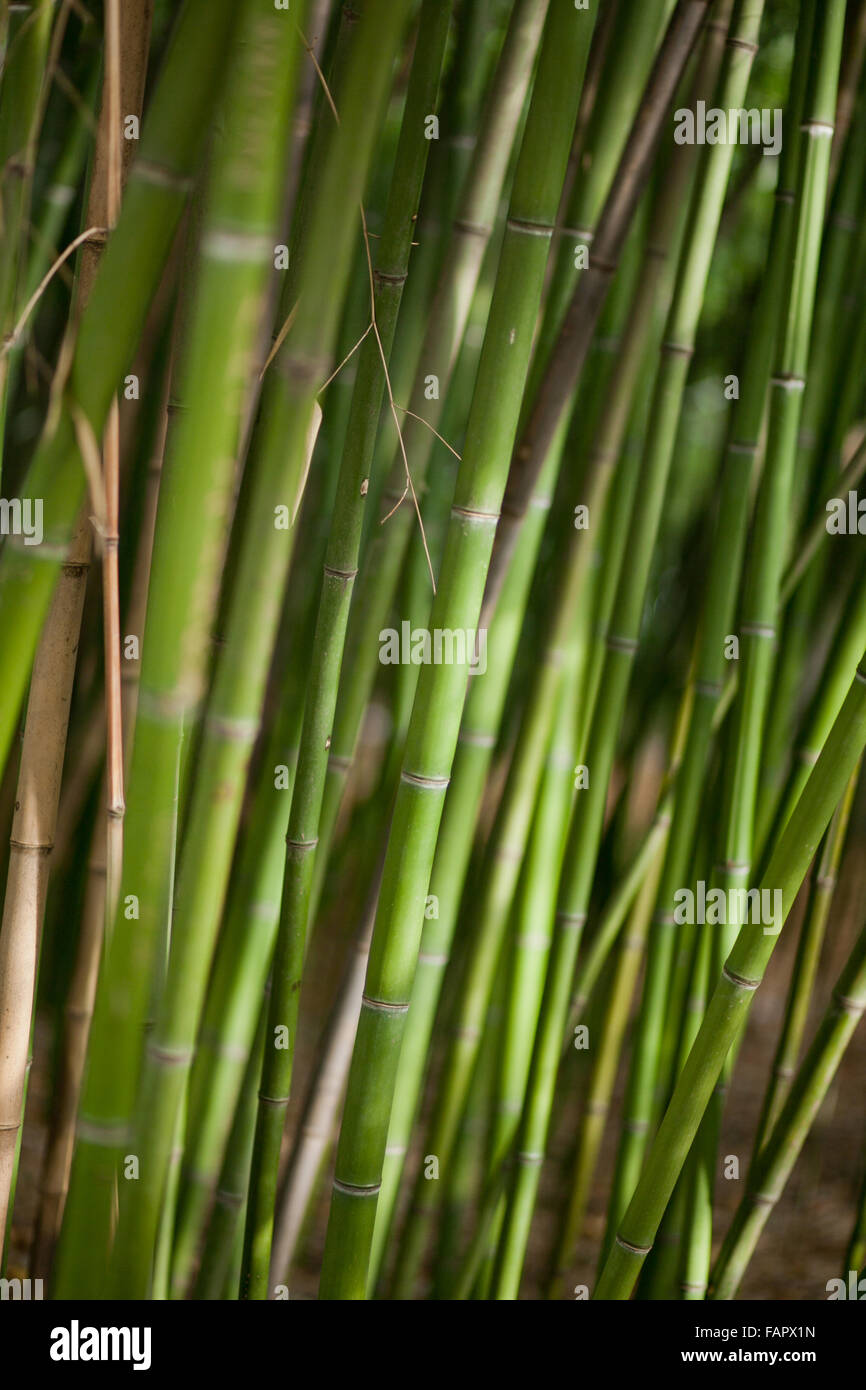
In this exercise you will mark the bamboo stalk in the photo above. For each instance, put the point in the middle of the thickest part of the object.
(245, 943)
(773, 1166)
(82, 987)
(765, 558)
(235, 248)
(226, 1223)
(158, 184)
(317, 1126)
(475, 748)
(732, 997)
(605, 1064)
(435, 718)
(21, 110)
(32, 841)
(742, 448)
(805, 968)
(45, 727)
(575, 334)
(340, 569)
(448, 315)
(270, 58)
(621, 642)
(855, 1254)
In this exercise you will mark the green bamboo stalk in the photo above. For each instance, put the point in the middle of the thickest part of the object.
(165, 1231)
(765, 559)
(245, 944)
(447, 319)
(238, 691)
(621, 642)
(171, 142)
(774, 1164)
(605, 1065)
(828, 698)
(612, 449)
(533, 916)
(340, 569)
(506, 845)
(317, 1125)
(728, 546)
(731, 1000)
(236, 247)
(610, 124)
(823, 417)
(768, 543)
(22, 104)
(526, 951)
(809, 945)
(436, 713)
(466, 1192)
(664, 1275)
(564, 623)
(53, 203)
(578, 324)
(226, 1221)
(503, 860)
(46, 725)
(475, 748)
(238, 976)
(694, 1219)
(855, 1254)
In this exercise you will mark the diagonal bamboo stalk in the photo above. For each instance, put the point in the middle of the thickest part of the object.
(805, 968)
(774, 1164)
(732, 997)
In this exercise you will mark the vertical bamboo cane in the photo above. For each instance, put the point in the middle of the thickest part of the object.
(436, 713)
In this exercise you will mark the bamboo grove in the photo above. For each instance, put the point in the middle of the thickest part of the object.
(432, 632)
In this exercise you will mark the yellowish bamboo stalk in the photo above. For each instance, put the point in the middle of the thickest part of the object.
(47, 719)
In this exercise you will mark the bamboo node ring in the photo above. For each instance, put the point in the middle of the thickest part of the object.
(436, 784)
(620, 644)
(632, 1249)
(739, 980)
(517, 224)
(350, 1189)
(849, 1005)
(382, 1006)
(474, 515)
